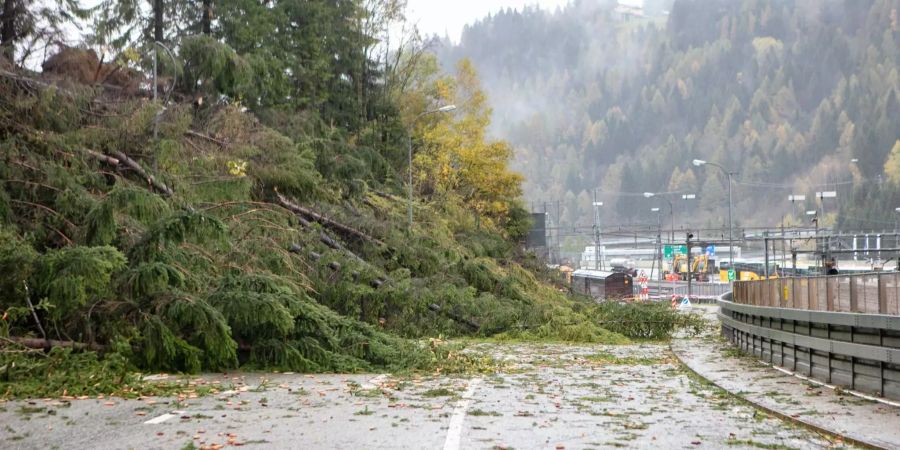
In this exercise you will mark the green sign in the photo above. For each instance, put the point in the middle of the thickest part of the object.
(670, 250)
(731, 275)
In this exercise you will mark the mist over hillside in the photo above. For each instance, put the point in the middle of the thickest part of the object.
(798, 96)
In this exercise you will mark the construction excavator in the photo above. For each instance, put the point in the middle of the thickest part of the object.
(699, 268)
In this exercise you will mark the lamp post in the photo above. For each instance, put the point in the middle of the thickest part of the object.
(658, 243)
(700, 162)
(671, 212)
(442, 109)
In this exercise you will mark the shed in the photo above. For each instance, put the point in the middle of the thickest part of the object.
(603, 285)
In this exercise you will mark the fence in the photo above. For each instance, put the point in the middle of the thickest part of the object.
(870, 293)
(699, 290)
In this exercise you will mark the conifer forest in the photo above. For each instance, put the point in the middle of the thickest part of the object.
(798, 96)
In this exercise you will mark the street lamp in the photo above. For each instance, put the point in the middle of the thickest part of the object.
(658, 242)
(442, 109)
(700, 162)
(671, 211)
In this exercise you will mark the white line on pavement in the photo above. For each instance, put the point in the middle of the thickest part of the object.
(454, 432)
(163, 417)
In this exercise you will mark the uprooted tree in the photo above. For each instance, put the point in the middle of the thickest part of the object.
(257, 228)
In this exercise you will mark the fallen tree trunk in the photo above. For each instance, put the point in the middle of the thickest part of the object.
(337, 226)
(143, 173)
(455, 317)
(107, 159)
(206, 137)
(335, 266)
(47, 344)
(132, 164)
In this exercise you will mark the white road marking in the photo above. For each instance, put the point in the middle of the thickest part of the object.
(375, 382)
(157, 377)
(163, 418)
(454, 432)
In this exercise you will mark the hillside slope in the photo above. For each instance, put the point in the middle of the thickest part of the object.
(199, 238)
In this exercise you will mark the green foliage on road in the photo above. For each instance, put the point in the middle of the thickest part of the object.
(647, 321)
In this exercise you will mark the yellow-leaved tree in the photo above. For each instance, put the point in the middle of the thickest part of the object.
(892, 166)
(454, 159)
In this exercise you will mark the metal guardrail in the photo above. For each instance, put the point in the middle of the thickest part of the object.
(855, 350)
(871, 293)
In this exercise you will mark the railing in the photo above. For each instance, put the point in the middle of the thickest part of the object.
(699, 289)
(853, 350)
(870, 293)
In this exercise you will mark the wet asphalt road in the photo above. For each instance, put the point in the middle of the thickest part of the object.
(547, 396)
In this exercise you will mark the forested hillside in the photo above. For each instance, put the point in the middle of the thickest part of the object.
(797, 96)
(253, 211)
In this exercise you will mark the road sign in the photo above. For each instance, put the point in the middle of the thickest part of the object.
(668, 251)
(682, 250)
(731, 275)
(711, 251)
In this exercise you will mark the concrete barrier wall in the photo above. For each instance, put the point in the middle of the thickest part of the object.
(853, 350)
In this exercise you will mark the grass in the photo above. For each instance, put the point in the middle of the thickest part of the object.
(439, 392)
(756, 444)
(609, 358)
(481, 412)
